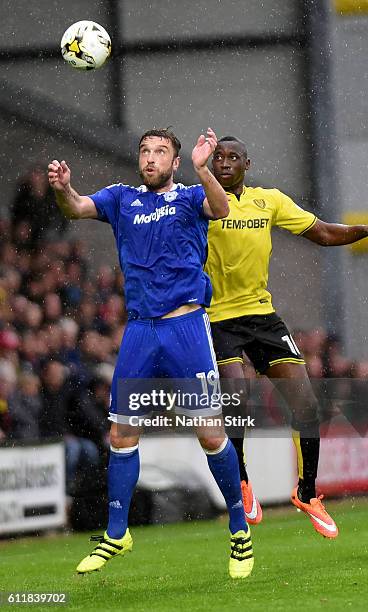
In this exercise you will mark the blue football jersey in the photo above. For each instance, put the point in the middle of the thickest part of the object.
(162, 245)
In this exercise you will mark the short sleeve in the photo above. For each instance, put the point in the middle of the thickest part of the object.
(290, 216)
(198, 197)
(107, 203)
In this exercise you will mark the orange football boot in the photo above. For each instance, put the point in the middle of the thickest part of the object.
(252, 507)
(321, 520)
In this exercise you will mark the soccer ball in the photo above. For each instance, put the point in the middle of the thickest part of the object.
(85, 45)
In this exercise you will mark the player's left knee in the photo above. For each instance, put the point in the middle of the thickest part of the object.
(306, 417)
(305, 410)
(212, 444)
(123, 436)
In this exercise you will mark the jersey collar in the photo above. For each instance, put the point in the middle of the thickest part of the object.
(175, 186)
(242, 193)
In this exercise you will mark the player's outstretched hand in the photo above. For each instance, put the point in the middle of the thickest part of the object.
(59, 175)
(204, 149)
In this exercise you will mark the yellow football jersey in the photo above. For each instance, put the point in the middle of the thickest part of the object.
(240, 246)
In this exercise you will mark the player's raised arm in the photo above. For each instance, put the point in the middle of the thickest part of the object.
(71, 204)
(335, 234)
(216, 205)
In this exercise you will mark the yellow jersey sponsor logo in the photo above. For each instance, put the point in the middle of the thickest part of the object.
(244, 223)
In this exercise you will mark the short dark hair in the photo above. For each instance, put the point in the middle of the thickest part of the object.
(164, 133)
(234, 139)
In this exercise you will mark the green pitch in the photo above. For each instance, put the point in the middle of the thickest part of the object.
(184, 567)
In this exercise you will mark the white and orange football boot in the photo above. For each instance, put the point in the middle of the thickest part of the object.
(252, 507)
(321, 520)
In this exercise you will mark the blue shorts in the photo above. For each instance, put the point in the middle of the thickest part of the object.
(166, 349)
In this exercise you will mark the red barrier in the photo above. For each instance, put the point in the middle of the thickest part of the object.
(343, 467)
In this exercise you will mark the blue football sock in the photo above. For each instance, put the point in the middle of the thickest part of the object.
(122, 477)
(224, 466)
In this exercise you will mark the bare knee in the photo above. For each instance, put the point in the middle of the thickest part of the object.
(306, 409)
(123, 436)
(211, 443)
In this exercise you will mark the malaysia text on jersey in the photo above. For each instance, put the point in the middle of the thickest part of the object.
(161, 240)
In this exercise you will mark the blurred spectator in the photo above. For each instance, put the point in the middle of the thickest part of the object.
(313, 342)
(335, 364)
(116, 338)
(9, 345)
(57, 422)
(315, 366)
(69, 354)
(52, 308)
(54, 400)
(34, 214)
(99, 402)
(25, 408)
(32, 350)
(8, 379)
(87, 315)
(34, 316)
(88, 418)
(360, 370)
(110, 313)
(8, 253)
(359, 393)
(105, 282)
(18, 307)
(71, 291)
(94, 347)
(88, 437)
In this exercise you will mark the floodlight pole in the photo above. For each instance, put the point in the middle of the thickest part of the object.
(117, 105)
(323, 150)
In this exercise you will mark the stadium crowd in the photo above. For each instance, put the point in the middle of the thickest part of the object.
(61, 326)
